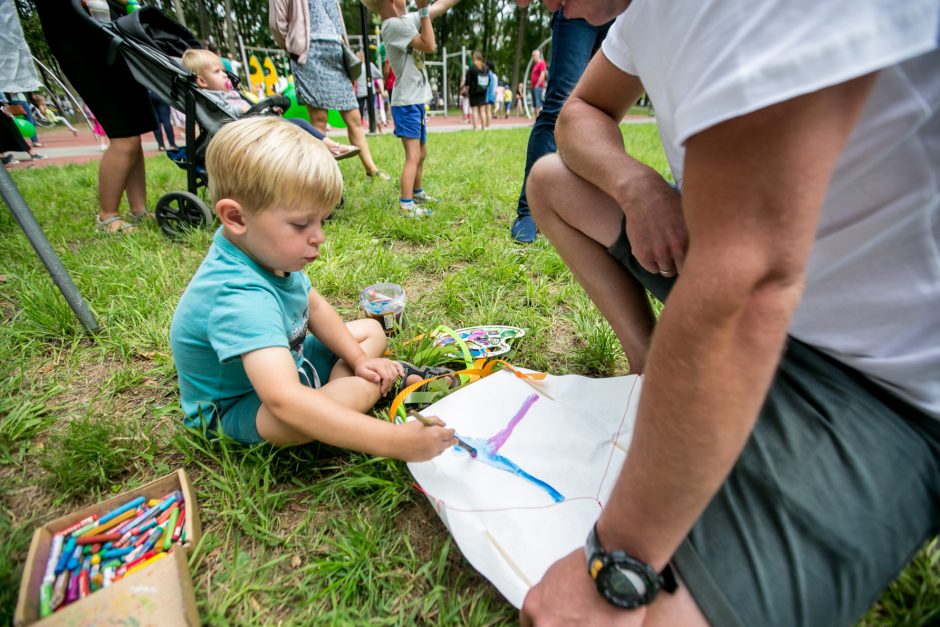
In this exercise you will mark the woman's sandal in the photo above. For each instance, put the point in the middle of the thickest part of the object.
(342, 151)
(380, 176)
(428, 372)
(113, 225)
(137, 218)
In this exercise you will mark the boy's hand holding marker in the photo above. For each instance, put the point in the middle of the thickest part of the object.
(424, 439)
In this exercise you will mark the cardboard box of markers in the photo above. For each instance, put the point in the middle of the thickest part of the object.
(121, 560)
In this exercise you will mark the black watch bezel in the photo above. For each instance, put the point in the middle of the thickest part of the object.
(602, 564)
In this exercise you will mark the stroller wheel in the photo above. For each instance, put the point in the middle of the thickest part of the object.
(178, 212)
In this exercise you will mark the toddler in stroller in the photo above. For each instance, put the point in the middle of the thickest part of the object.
(152, 45)
(211, 77)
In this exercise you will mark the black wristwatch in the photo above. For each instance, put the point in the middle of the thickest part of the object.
(624, 580)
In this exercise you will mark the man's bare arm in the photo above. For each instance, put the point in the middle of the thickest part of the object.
(589, 140)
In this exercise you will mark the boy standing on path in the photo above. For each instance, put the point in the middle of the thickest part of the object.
(408, 37)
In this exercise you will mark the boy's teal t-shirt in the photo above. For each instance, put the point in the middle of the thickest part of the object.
(231, 307)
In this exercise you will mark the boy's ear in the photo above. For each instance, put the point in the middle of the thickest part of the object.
(231, 215)
(201, 82)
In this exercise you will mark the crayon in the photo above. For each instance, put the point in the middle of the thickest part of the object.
(144, 527)
(98, 539)
(143, 557)
(140, 518)
(179, 525)
(54, 553)
(75, 560)
(165, 515)
(84, 588)
(45, 600)
(66, 554)
(59, 589)
(112, 563)
(116, 553)
(155, 558)
(95, 559)
(114, 513)
(153, 541)
(153, 502)
(72, 528)
(170, 527)
(71, 592)
(153, 534)
(111, 523)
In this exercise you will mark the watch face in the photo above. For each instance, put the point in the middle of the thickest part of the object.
(625, 584)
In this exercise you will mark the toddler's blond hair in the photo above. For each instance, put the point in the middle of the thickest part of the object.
(198, 61)
(266, 162)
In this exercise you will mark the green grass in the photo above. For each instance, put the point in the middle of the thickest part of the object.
(309, 534)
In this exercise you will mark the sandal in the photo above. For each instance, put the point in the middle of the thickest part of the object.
(113, 225)
(137, 218)
(378, 175)
(428, 372)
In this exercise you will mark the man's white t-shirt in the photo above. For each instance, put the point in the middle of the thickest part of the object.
(872, 297)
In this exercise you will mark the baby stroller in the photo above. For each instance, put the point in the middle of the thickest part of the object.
(151, 45)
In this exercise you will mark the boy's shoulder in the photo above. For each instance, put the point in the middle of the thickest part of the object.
(402, 23)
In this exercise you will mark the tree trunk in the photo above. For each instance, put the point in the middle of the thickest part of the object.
(203, 19)
(229, 31)
(178, 9)
(517, 57)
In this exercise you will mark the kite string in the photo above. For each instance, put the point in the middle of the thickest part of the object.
(613, 444)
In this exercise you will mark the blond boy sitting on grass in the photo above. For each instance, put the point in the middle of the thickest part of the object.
(261, 356)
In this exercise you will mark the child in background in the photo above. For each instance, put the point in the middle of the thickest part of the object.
(261, 356)
(476, 83)
(520, 102)
(211, 77)
(499, 100)
(507, 100)
(408, 36)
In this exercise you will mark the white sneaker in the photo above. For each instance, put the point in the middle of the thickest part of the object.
(422, 198)
(413, 211)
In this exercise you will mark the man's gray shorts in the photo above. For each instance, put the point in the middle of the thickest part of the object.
(835, 491)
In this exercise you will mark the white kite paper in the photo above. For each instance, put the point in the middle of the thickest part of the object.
(544, 469)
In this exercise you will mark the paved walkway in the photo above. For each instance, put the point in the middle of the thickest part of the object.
(61, 147)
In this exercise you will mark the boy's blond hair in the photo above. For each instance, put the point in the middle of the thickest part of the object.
(266, 162)
(374, 5)
(199, 61)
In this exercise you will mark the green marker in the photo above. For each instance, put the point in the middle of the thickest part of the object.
(170, 526)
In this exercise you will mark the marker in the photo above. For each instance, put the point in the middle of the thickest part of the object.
(430, 423)
(178, 532)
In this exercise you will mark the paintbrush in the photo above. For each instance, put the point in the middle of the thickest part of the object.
(430, 423)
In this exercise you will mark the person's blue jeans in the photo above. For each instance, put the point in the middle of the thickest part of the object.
(574, 42)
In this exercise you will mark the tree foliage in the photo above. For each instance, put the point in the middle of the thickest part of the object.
(490, 26)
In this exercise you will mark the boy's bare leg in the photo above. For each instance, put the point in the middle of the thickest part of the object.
(419, 171)
(342, 387)
(583, 222)
(409, 171)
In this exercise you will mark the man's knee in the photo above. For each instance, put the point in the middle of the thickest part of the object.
(545, 172)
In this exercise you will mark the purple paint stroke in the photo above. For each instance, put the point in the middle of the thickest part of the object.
(497, 441)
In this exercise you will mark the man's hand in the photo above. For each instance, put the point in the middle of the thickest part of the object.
(567, 596)
(656, 226)
(383, 372)
(422, 3)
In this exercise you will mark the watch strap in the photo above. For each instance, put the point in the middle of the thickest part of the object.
(666, 579)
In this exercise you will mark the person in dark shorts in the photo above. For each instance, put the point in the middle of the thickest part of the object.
(476, 82)
(785, 459)
(120, 103)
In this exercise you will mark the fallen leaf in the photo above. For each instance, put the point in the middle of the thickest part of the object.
(295, 561)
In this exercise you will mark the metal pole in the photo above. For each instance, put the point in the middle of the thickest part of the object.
(24, 217)
(367, 60)
(444, 50)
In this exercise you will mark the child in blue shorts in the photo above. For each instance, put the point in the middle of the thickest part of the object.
(261, 356)
(407, 37)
